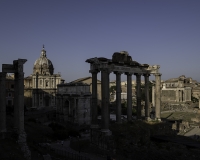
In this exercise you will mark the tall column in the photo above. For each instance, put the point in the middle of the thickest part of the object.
(2, 102)
(138, 91)
(147, 115)
(19, 95)
(105, 116)
(153, 96)
(16, 109)
(94, 99)
(129, 96)
(21, 102)
(118, 97)
(158, 95)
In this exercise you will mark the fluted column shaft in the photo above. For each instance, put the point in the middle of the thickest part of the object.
(2, 102)
(158, 95)
(118, 97)
(105, 116)
(147, 115)
(138, 95)
(129, 96)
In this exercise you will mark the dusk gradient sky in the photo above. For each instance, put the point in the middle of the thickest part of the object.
(163, 32)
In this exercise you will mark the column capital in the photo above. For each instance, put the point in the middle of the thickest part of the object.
(105, 70)
(118, 72)
(93, 71)
(146, 74)
(137, 74)
(157, 74)
(128, 73)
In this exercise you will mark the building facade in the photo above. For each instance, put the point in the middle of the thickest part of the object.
(176, 90)
(41, 86)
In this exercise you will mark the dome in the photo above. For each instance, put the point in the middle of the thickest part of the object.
(43, 65)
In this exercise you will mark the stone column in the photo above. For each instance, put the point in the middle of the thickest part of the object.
(105, 116)
(19, 95)
(129, 96)
(21, 102)
(118, 97)
(94, 99)
(147, 115)
(153, 96)
(16, 108)
(138, 94)
(158, 96)
(2, 102)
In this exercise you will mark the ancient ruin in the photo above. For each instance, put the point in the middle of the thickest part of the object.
(121, 63)
(73, 103)
(17, 69)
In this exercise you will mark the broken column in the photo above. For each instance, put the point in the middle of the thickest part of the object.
(2, 102)
(19, 94)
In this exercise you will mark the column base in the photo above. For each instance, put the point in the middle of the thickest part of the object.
(159, 119)
(148, 119)
(106, 132)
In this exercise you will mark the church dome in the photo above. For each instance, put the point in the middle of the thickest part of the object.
(43, 65)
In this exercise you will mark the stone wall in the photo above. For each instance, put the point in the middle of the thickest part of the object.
(168, 95)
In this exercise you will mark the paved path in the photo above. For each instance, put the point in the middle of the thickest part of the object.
(66, 147)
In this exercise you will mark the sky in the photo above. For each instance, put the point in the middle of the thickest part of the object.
(162, 32)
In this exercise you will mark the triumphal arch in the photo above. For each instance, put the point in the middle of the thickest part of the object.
(122, 63)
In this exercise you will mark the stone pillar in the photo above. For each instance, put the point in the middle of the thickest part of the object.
(16, 109)
(153, 96)
(21, 102)
(2, 102)
(129, 96)
(118, 97)
(105, 116)
(138, 95)
(147, 115)
(158, 96)
(94, 99)
(19, 95)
